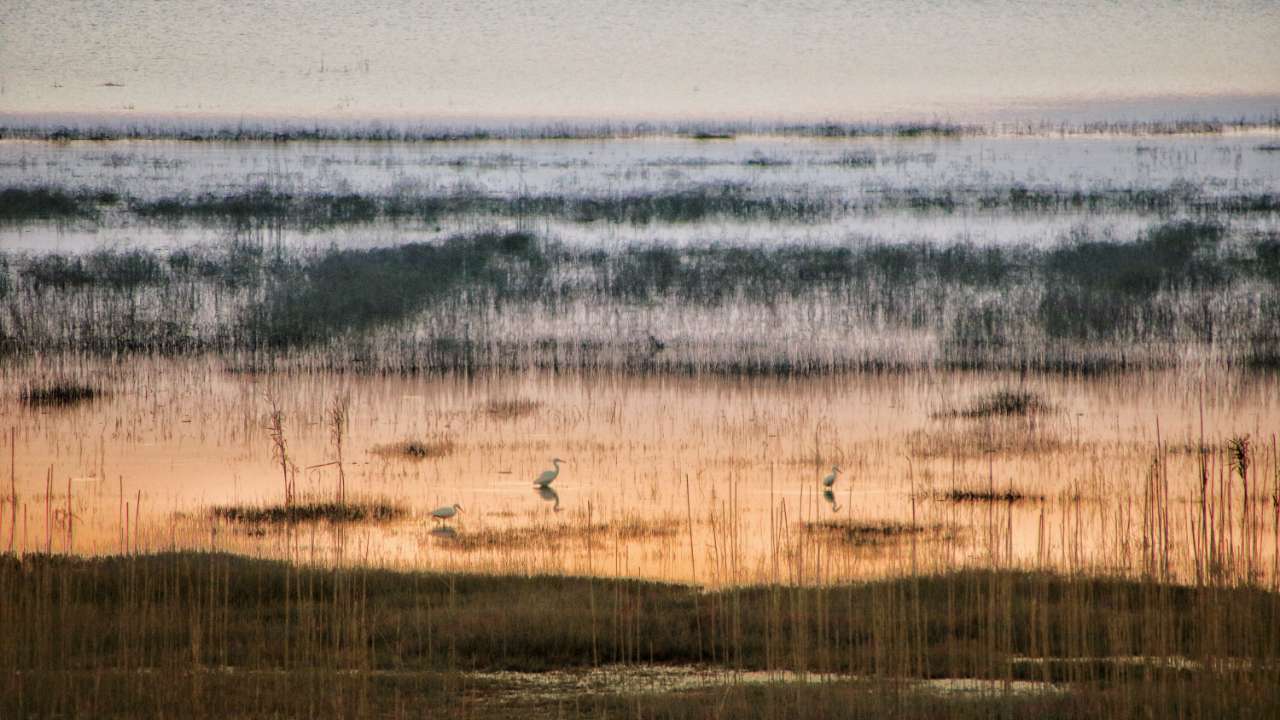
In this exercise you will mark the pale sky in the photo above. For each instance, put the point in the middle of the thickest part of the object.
(737, 59)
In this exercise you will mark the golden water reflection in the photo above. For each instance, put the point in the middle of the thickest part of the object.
(703, 479)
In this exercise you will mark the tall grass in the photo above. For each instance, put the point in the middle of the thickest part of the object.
(263, 206)
(97, 129)
(515, 300)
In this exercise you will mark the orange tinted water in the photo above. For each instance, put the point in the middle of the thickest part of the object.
(740, 458)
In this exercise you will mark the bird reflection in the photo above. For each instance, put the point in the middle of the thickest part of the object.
(549, 495)
(444, 532)
(830, 497)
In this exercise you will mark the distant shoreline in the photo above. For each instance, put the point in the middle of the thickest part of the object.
(114, 126)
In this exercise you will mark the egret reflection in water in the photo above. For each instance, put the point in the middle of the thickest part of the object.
(444, 532)
(546, 493)
(830, 497)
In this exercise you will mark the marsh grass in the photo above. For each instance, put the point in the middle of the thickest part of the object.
(980, 440)
(61, 393)
(512, 408)
(577, 532)
(414, 449)
(26, 203)
(877, 533)
(267, 208)
(1087, 305)
(263, 206)
(1004, 403)
(113, 269)
(988, 495)
(282, 130)
(351, 511)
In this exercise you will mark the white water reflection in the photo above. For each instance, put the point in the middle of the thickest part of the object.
(806, 168)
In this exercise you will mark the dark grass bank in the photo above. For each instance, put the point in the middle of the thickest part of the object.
(153, 633)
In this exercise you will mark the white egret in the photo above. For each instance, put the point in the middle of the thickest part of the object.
(549, 476)
(830, 480)
(445, 513)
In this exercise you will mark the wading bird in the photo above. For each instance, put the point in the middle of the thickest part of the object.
(445, 513)
(549, 476)
(830, 480)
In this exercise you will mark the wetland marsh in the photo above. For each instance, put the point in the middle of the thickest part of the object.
(240, 372)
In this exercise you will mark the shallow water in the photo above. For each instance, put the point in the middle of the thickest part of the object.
(698, 480)
(1227, 162)
(968, 166)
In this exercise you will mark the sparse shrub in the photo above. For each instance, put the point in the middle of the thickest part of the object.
(510, 408)
(1171, 253)
(1004, 403)
(417, 449)
(122, 269)
(981, 495)
(326, 511)
(358, 289)
(882, 532)
(43, 203)
(62, 393)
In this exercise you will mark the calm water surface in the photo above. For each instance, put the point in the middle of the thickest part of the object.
(713, 481)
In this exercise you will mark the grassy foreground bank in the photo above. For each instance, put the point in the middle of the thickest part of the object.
(226, 636)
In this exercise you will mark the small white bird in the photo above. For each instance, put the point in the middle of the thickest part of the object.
(830, 480)
(549, 476)
(445, 513)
